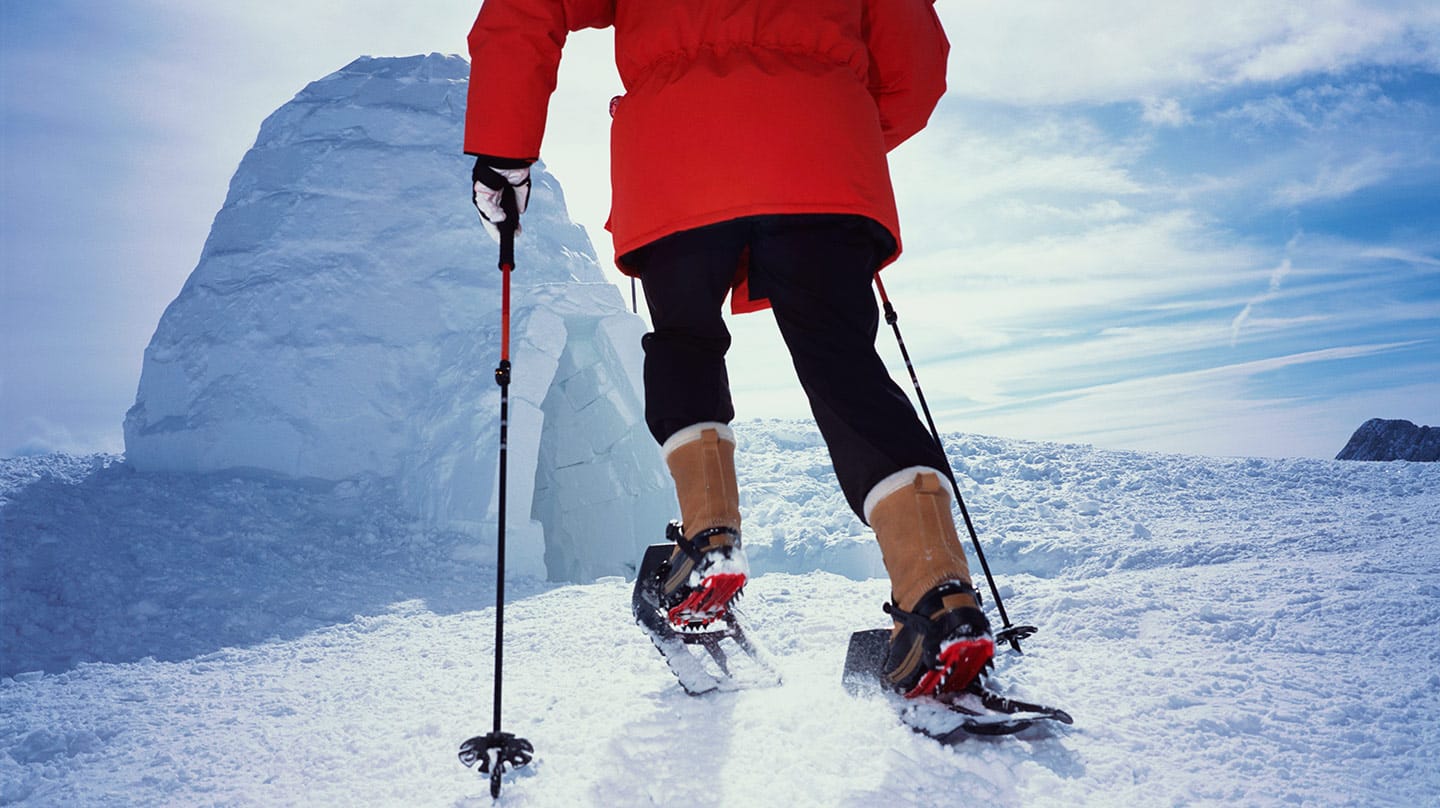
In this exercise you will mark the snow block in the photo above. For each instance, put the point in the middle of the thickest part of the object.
(344, 321)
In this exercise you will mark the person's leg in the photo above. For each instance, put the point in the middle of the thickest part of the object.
(688, 409)
(686, 277)
(817, 273)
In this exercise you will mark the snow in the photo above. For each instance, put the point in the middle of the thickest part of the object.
(344, 322)
(1225, 631)
(283, 592)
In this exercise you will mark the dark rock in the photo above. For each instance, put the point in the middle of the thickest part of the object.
(1383, 439)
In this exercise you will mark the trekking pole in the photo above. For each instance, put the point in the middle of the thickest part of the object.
(498, 751)
(1010, 634)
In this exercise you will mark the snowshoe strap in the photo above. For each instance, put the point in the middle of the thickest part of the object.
(917, 622)
(921, 623)
(697, 546)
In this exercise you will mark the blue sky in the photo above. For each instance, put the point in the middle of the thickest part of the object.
(1180, 227)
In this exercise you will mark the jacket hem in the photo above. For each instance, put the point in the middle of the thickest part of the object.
(633, 243)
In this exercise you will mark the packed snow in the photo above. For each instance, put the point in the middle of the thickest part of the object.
(1225, 631)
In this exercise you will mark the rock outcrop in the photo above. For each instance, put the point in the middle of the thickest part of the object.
(1382, 439)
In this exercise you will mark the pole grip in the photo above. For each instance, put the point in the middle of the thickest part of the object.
(507, 245)
(505, 270)
(507, 227)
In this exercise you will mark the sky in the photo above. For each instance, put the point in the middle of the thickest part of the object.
(1177, 227)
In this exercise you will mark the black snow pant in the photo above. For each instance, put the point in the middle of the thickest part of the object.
(817, 272)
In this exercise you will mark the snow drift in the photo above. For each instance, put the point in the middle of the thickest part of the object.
(1226, 631)
(343, 322)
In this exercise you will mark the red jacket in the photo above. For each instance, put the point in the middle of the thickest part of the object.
(732, 107)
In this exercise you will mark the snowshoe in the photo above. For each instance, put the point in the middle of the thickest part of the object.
(718, 633)
(942, 645)
(949, 715)
(705, 574)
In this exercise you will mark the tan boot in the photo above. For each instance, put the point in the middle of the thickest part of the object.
(941, 639)
(910, 513)
(708, 566)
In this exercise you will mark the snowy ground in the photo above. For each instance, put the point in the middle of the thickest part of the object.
(1225, 631)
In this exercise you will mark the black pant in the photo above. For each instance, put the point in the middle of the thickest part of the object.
(817, 272)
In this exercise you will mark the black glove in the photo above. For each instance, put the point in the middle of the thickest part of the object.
(492, 176)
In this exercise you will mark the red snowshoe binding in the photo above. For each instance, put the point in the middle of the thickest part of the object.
(941, 646)
(705, 575)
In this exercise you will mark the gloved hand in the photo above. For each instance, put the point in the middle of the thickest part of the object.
(491, 177)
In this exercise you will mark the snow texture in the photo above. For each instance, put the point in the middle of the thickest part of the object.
(1225, 632)
(283, 593)
(1382, 439)
(344, 322)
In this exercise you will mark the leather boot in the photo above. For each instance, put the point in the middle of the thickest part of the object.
(941, 639)
(708, 566)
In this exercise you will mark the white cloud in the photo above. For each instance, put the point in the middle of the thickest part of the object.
(1106, 210)
(1164, 112)
(1339, 179)
(959, 183)
(1330, 36)
(1055, 51)
(1418, 259)
(1322, 107)
(1154, 257)
(961, 164)
(1277, 276)
(1215, 410)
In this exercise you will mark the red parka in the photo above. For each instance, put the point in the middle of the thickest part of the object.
(732, 107)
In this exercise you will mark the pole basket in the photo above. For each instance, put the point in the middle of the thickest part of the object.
(496, 752)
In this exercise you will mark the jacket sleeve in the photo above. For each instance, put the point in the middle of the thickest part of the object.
(514, 58)
(908, 51)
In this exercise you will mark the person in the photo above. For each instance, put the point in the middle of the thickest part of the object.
(749, 159)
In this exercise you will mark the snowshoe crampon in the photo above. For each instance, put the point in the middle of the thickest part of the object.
(726, 659)
(948, 716)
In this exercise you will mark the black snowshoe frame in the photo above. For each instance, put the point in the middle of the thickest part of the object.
(949, 717)
(698, 674)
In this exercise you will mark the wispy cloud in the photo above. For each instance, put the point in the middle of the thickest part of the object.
(963, 163)
(1330, 36)
(1417, 259)
(1337, 180)
(1224, 408)
(1276, 277)
(1165, 112)
(1321, 107)
(1051, 51)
